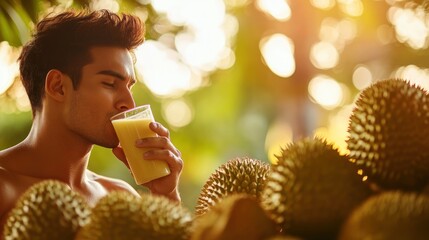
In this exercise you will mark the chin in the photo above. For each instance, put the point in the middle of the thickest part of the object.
(108, 145)
(108, 142)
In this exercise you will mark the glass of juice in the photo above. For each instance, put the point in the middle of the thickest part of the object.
(129, 126)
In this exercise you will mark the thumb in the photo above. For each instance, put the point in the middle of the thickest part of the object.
(119, 153)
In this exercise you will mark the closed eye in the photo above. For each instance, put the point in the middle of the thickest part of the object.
(109, 84)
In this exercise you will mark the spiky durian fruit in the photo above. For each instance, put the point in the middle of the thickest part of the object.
(237, 216)
(389, 135)
(121, 215)
(47, 210)
(389, 215)
(312, 189)
(238, 175)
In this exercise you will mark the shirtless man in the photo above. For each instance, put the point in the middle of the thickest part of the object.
(78, 71)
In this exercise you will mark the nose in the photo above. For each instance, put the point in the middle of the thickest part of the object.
(126, 101)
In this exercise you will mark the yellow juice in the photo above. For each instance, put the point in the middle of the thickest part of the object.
(128, 131)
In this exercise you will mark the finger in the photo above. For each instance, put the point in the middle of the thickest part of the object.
(159, 129)
(174, 162)
(165, 186)
(159, 143)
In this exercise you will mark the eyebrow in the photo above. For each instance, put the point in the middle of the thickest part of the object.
(116, 75)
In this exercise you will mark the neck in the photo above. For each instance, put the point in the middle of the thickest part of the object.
(53, 151)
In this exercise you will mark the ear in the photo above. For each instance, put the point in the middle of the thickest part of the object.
(54, 84)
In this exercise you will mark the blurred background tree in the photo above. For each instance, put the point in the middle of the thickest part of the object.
(237, 78)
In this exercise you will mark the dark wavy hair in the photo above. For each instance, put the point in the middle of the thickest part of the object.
(63, 42)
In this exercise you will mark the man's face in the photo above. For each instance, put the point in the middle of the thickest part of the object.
(104, 90)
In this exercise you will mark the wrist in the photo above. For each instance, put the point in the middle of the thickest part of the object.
(173, 195)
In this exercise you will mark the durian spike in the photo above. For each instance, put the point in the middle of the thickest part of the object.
(47, 210)
(121, 215)
(312, 189)
(237, 175)
(389, 135)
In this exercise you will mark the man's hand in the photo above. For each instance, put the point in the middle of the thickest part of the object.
(161, 149)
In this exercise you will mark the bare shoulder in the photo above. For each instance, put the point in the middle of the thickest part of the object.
(11, 187)
(112, 184)
(9, 190)
(5, 188)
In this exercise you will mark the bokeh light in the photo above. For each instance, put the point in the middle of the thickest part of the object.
(236, 3)
(111, 5)
(324, 55)
(329, 31)
(325, 91)
(192, 13)
(162, 70)
(337, 32)
(178, 113)
(414, 74)
(201, 49)
(278, 53)
(410, 26)
(278, 9)
(323, 4)
(353, 8)
(362, 77)
(9, 68)
(202, 46)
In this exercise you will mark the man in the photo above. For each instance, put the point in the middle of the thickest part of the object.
(78, 72)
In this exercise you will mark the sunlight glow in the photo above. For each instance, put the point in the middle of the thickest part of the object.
(337, 32)
(336, 131)
(353, 8)
(177, 113)
(9, 68)
(415, 75)
(226, 59)
(162, 70)
(329, 30)
(201, 49)
(202, 46)
(348, 30)
(325, 91)
(278, 9)
(278, 53)
(324, 55)
(362, 77)
(111, 5)
(22, 102)
(279, 135)
(193, 13)
(323, 4)
(236, 3)
(410, 26)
